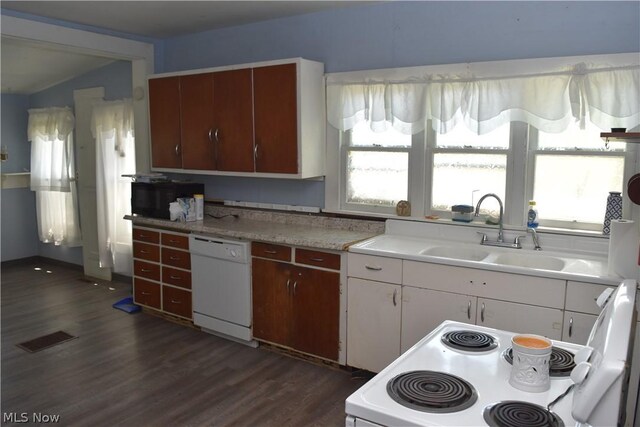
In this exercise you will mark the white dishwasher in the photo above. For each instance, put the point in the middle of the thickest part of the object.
(221, 287)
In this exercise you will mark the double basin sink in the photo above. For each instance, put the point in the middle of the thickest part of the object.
(545, 263)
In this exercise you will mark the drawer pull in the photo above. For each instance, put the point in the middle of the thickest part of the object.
(175, 277)
(174, 241)
(174, 301)
(145, 293)
(142, 251)
(469, 310)
(482, 313)
(317, 259)
(395, 292)
(174, 258)
(143, 236)
(270, 251)
(570, 327)
(146, 270)
(368, 267)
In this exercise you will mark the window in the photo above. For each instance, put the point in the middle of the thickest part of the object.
(465, 166)
(572, 175)
(376, 169)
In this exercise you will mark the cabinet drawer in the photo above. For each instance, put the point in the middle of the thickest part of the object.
(146, 293)
(267, 250)
(146, 251)
(581, 297)
(484, 283)
(176, 240)
(376, 268)
(146, 269)
(317, 258)
(176, 277)
(176, 301)
(176, 258)
(148, 236)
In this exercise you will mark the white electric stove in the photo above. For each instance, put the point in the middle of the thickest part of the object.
(458, 375)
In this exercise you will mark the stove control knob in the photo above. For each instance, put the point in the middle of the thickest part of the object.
(582, 355)
(580, 372)
(234, 254)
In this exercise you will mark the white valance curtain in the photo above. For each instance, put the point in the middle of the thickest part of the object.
(53, 175)
(112, 128)
(549, 99)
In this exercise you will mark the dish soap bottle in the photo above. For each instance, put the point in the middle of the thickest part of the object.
(532, 215)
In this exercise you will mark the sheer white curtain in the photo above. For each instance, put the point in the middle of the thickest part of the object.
(53, 175)
(112, 128)
(484, 96)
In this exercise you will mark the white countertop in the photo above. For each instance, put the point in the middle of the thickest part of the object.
(581, 268)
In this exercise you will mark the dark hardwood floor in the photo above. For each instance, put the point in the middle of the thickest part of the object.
(141, 370)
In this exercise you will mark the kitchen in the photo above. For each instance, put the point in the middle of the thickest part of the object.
(375, 52)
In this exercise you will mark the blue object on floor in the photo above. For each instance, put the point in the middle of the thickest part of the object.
(127, 305)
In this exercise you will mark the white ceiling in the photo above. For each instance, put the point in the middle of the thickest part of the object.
(161, 19)
(29, 67)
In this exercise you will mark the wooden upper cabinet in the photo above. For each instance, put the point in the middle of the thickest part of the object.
(276, 118)
(164, 119)
(233, 120)
(196, 108)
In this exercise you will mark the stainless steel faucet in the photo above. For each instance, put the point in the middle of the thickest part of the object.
(500, 226)
(536, 242)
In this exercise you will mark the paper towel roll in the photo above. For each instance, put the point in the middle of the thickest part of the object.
(623, 249)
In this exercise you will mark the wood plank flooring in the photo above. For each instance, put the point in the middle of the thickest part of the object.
(141, 370)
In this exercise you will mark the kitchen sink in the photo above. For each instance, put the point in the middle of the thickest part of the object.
(456, 252)
(540, 262)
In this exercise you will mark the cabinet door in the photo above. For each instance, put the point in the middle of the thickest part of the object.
(520, 318)
(373, 324)
(423, 310)
(164, 120)
(271, 302)
(316, 311)
(233, 120)
(196, 104)
(276, 118)
(577, 327)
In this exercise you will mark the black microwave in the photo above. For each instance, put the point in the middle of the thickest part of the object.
(152, 199)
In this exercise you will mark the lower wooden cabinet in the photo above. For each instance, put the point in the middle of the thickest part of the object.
(296, 306)
(162, 271)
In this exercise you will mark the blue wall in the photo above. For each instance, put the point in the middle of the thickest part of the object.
(18, 225)
(402, 34)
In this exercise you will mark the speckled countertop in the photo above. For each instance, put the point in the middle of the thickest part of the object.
(289, 229)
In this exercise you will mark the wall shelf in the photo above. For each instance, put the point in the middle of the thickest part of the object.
(16, 180)
(621, 136)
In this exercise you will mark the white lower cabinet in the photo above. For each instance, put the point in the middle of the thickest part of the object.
(577, 327)
(373, 323)
(520, 318)
(424, 309)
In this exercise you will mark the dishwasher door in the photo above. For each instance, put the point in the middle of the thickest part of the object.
(221, 285)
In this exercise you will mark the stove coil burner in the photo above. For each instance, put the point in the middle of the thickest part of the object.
(430, 391)
(469, 341)
(560, 364)
(511, 413)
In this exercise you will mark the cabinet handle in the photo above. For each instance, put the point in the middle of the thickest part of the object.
(295, 285)
(368, 267)
(142, 251)
(482, 313)
(270, 251)
(288, 283)
(173, 241)
(255, 152)
(317, 259)
(215, 135)
(175, 301)
(175, 277)
(395, 292)
(142, 236)
(174, 258)
(469, 310)
(145, 293)
(145, 270)
(177, 149)
(570, 326)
